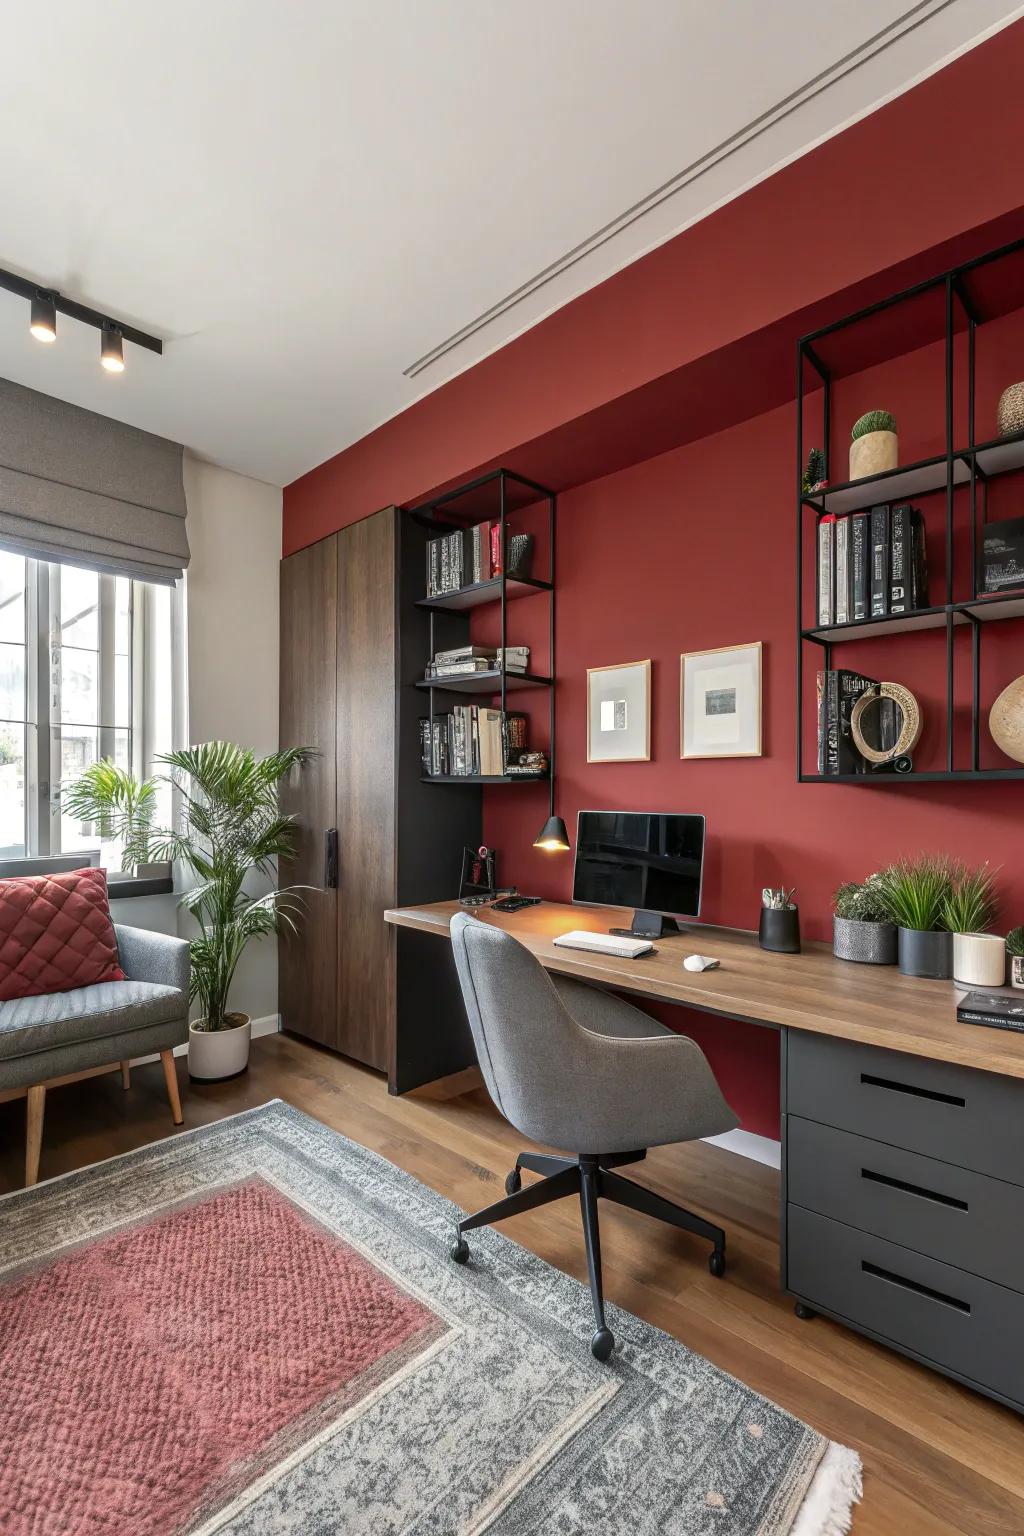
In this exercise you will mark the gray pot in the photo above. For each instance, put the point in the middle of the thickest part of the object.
(870, 943)
(926, 954)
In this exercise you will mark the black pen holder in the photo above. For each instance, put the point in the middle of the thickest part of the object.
(780, 930)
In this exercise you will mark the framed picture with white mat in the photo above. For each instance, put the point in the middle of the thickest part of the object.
(619, 713)
(720, 702)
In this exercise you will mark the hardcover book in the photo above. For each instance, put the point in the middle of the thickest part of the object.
(860, 537)
(826, 570)
(843, 570)
(879, 562)
(999, 1010)
(901, 560)
(1003, 555)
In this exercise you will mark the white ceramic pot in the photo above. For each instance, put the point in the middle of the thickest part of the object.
(219, 1053)
(873, 454)
(1017, 971)
(979, 959)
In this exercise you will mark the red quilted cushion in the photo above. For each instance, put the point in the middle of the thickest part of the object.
(56, 934)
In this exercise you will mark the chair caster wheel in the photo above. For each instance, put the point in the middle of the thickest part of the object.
(602, 1344)
(716, 1263)
(460, 1249)
(514, 1182)
(805, 1314)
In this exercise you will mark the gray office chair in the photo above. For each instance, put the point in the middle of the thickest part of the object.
(577, 1068)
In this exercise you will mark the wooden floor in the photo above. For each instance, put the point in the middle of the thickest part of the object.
(938, 1459)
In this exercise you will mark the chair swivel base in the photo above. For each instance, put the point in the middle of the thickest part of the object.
(591, 1178)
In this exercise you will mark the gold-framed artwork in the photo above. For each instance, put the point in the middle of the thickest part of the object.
(720, 702)
(619, 713)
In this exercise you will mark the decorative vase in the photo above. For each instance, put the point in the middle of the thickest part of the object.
(1017, 971)
(1006, 720)
(1010, 410)
(520, 555)
(868, 943)
(926, 954)
(216, 1054)
(779, 930)
(873, 454)
(979, 959)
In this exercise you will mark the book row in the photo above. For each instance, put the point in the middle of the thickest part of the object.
(838, 692)
(475, 741)
(871, 564)
(462, 558)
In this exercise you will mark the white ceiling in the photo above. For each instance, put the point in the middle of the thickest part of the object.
(305, 197)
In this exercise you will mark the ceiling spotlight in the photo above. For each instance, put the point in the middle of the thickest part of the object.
(111, 349)
(43, 323)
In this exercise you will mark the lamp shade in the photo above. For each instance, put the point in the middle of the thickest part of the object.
(553, 836)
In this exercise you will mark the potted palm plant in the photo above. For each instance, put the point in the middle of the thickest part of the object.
(914, 892)
(979, 958)
(232, 829)
(861, 929)
(122, 807)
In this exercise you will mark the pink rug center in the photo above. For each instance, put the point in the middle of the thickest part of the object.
(146, 1378)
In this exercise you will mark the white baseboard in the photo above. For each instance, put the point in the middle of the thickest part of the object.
(762, 1149)
(269, 1024)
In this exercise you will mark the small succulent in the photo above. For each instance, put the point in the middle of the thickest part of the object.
(777, 901)
(873, 421)
(863, 901)
(814, 474)
(970, 905)
(1015, 942)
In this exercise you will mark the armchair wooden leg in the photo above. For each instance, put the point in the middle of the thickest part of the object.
(36, 1104)
(171, 1079)
(126, 1075)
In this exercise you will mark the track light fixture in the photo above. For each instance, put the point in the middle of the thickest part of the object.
(45, 303)
(43, 323)
(111, 349)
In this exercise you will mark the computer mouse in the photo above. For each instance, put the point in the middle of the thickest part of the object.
(701, 963)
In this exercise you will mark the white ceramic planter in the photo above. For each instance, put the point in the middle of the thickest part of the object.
(979, 959)
(873, 454)
(216, 1054)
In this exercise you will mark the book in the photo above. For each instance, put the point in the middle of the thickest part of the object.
(822, 695)
(826, 570)
(860, 582)
(1000, 1010)
(426, 759)
(842, 570)
(1002, 555)
(901, 559)
(879, 562)
(919, 571)
(495, 549)
(843, 688)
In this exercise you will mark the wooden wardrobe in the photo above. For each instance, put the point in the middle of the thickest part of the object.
(371, 834)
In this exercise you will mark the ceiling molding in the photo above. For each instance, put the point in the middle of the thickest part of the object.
(903, 25)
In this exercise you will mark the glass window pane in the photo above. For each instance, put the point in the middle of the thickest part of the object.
(12, 597)
(122, 692)
(12, 791)
(12, 682)
(78, 748)
(122, 615)
(79, 607)
(79, 691)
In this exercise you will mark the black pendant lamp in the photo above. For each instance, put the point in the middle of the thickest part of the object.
(553, 836)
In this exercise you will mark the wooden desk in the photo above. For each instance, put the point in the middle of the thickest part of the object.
(813, 991)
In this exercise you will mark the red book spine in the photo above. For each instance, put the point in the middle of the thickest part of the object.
(496, 549)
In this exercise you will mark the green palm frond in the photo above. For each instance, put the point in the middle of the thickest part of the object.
(121, 805)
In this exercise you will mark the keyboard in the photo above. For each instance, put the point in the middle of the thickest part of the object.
(605, 944)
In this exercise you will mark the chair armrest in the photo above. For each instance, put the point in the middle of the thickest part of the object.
(157, 957)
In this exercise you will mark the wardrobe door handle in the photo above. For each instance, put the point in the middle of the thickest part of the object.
(331, 859)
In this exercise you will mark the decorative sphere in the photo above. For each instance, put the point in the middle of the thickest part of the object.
(1006, 720)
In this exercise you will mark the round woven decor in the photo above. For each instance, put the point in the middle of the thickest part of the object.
(1010, 410)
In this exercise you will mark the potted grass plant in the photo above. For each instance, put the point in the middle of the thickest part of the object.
(231, 830)
(1015, 950)
(121, 807)
(861, 929)
(914, 892)
(969, 909)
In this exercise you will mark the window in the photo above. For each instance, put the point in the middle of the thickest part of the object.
(85, 673)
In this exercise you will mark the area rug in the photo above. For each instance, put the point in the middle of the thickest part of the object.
(256, 1327)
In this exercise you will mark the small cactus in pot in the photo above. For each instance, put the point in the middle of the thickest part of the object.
(874, 446)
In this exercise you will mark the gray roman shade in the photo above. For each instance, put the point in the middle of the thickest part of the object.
(81, 488)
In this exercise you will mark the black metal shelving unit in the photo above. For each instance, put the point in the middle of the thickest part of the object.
(961, 300)
(497, 494)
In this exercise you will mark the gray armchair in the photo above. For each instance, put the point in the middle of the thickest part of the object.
(579, 1069)
(61, 1037)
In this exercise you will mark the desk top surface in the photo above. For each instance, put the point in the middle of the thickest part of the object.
(872, 1004)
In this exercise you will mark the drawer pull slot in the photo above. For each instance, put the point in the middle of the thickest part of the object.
(914, 1189)
(916, 1287)
(918, 1093)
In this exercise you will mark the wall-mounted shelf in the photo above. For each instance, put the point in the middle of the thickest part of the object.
(484, 778)
(485, 682)
(482, 592)
(958, 303)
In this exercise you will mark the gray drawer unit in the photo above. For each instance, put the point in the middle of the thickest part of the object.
(965, 1219)
(972, 1119)
(966, 1326)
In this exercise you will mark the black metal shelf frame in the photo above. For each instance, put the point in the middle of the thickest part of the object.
(971, 466)
(512, 490)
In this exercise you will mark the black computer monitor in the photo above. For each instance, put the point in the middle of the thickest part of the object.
(647, 860)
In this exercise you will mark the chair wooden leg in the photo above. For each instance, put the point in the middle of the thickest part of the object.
(171, 1079)
(36, 1104)
(126, 1075)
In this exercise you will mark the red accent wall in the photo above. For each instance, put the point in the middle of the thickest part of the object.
(691, 350)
